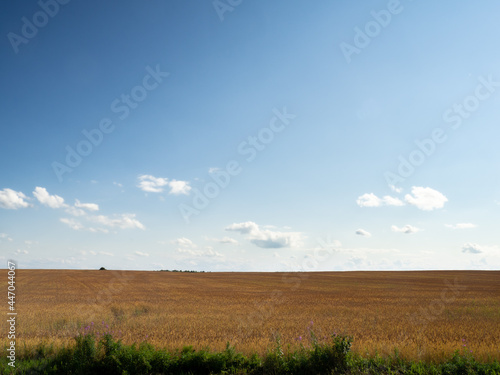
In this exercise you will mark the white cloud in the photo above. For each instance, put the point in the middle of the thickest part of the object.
(368, 250)
(55, 201)
(140, 253)
(213, 170)
(407, 229)
(12, 200)
(224, 240)
(52, 201)
(76, 225)
(246, 227)
(267, 238)
(72, 223)
(364, 233)
(358, 261)
(391, 201)
(87, 206)
(426, 199)
(106, 253)
(228, 240)
(152, 184)
(371, 200)
(117, 184)
(472, 248)
(491, 251)
(124, 221)
(395, 189)
(179, 187)
(184, 242)
(208, 252)
(5, 236)
(329, 243)
(19, 251)
(95, 230)
(461, 226)
(75, 211)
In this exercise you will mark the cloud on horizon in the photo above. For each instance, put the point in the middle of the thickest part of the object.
(472, 248)
(140, 253)
(208, 252)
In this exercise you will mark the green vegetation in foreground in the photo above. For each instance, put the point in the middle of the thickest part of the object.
(109, 356)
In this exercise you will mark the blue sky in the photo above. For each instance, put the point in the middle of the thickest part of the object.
(250, 135)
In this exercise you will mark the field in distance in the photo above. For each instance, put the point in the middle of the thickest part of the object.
(426, 314)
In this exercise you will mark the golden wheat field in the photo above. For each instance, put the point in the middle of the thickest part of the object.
(427, 315)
